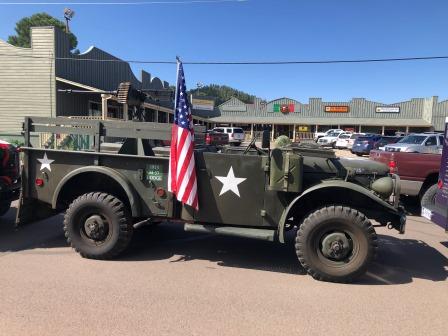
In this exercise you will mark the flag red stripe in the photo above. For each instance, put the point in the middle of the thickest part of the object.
(184, 168)
(189, 187)
(173, 160)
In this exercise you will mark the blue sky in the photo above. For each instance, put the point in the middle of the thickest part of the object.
(269, 30)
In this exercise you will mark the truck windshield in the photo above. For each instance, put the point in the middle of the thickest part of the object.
(344, 136)
(333, 134)
(413, 139)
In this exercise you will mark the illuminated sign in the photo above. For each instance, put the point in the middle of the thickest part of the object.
(302, 128)
(337, 109)
(387, 109)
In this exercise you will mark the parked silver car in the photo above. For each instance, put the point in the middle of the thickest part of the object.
(418, 143)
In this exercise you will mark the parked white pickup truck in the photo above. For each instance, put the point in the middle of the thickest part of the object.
(319, 135)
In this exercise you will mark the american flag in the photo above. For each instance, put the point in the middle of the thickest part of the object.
(182, 172)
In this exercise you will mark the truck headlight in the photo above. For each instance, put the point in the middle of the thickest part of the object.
(383, 186)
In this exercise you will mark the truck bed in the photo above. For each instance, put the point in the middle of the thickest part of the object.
(413, 168)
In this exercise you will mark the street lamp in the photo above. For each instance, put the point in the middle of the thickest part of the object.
(68, 15)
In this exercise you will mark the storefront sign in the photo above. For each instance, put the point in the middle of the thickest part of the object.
(233, 108)
(302, 128)
(388, 109)
(284, 108)
(337, 109)
(203, 104)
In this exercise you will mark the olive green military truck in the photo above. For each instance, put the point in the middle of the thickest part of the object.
(113, 178)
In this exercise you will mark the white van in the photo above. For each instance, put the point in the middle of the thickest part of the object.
(236, 134)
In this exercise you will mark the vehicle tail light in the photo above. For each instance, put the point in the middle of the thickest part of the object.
(392, 166)
(208, 139)
(365, 142)
(160, 192)
(39, 182)
(440, 184)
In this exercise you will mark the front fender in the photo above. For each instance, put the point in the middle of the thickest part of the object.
(119, 178)
(329, 185)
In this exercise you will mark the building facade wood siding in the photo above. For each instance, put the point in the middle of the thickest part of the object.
(27, 80)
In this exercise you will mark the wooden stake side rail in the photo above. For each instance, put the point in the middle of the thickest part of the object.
(99, 128)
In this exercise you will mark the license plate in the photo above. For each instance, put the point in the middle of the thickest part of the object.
(426, 213)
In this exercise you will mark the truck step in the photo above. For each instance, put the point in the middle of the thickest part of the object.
(261, 234)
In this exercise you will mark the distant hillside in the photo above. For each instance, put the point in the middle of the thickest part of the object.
(222, 93)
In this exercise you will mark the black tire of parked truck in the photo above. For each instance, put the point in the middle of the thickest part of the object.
(4, 207)
(97, 225)
(336, 244)
(429, 196)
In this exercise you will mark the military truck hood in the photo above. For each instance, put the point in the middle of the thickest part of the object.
(364, 167)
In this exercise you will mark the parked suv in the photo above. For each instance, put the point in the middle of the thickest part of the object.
(343, 140)
(9, 176)
(364, 144)
(236, 134)
(418, 143)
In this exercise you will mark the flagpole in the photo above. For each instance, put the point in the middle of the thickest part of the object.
(172, 188)
(177, 84)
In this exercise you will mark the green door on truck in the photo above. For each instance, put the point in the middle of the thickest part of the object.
(231, 189)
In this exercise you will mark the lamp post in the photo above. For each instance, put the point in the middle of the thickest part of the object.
(68, 15)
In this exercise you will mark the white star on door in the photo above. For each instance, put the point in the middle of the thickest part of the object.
(230, 182)
(45, 162)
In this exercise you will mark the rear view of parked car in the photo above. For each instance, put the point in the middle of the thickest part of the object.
(217, 139)
(352, 139)
(342, 141)
(418, 143)
(364, 144)
(9, 176)
(236, 134)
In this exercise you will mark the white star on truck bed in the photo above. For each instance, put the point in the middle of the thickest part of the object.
(45, 162)
(230, 182)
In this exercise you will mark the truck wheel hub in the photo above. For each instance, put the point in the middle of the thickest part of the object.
(336, 245)
(95, 227)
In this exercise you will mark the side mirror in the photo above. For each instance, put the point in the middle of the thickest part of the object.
(266, 139)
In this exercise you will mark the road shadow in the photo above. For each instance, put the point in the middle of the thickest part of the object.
(402, 260)
(170, 241)
(399, 260)
(411, 205)
(46, 233)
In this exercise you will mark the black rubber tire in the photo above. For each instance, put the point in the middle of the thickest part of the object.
(358, 154)
(120, 228)
(429, 196)
(330, 219)
(4, 207)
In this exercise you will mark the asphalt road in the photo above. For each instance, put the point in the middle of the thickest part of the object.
(176, 283)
